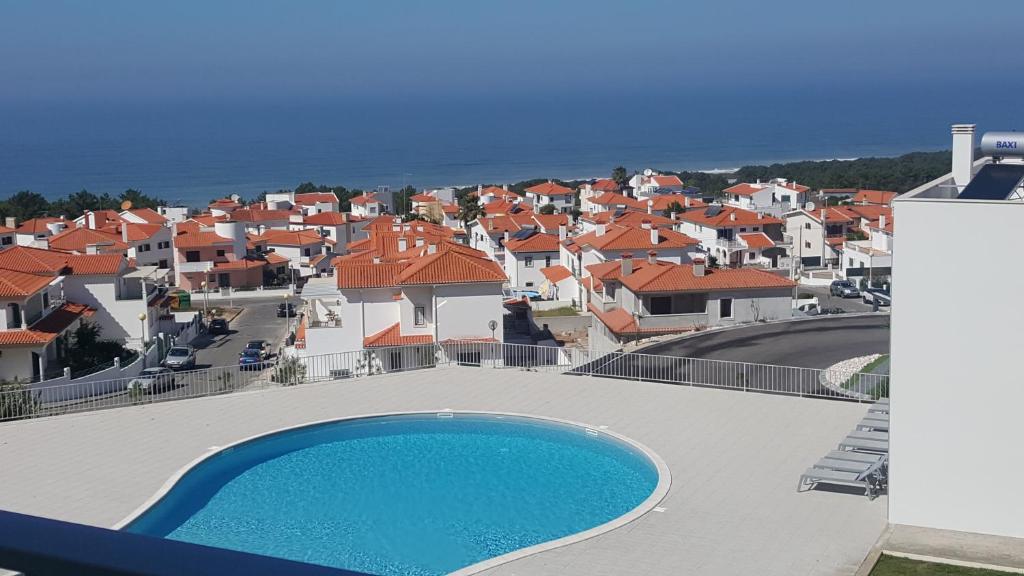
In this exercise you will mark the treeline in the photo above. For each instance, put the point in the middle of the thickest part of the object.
(26, 204)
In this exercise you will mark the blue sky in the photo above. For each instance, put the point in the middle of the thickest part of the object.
(207, 50)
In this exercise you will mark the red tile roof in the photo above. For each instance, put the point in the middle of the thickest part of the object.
(550, 189)
(392, 336)
(551, 221)
(36, 225)
(274, 258)
(499, 192)
(311, 198)
(327, 219)
(78, 239)
(880, 197)
(199, 239)
(149, 215)
(243, 264)
(20, 284)
(757, 240)
(618, 237)
(662, 202)
(670, 180)
(225, 204)
(364, 199)
(539, 242)
(251, 215)
(39, 261)
(139, 232)
(446, 267)
(423, 198)
(289, 237)
(556, 274)
(680, 278)
(47, 328)
(635, 219)
(605, 185)
(615, 199)
(724, 219)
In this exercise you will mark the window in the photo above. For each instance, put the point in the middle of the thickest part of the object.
(7, 240)
(13, 316)
(661, 305)
(46, 300)
(743, 229)
(807, 244)
(162, 245)
(220, 253)
(192, 256)
(547, 261)
(163, 264)
(725, 308)
(420, 317)
(851, 262)
(528, 262)
(145, 248)
(529, 284)
(305, 252)
(751, 255)
(807, 226)
(756, 228)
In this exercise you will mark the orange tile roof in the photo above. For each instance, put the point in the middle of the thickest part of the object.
(662, 202)
(78, 239)
(94, 264)
(225, 204)
(556, 273)
(316, 197)
(423, 198)
(450, 208)
(47, 328)
(605, 185)
(724, 219)
(327, 219)
(392, 336)
(615, 199)
(364, 199)
(618, 237)
(149, 215)
(251, 215)
(618, 320)
(499, 192)
(275, 258)
(36, 225)
(881, 197)
(635, 219)
(15, 284)
(744, 189)
(504, 208)
(550, 189)
(445, 267)
(243, 264)
(289, 237)
(300, 333)
(669, 180)
(139, 232)
(539, 242)
(551, 221)
(40, 261)
(757, 240)
(199, 239)
(680, 278)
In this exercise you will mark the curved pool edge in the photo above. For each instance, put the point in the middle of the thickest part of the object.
(657, 495)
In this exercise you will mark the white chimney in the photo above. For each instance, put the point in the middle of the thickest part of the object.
(479, 189)
(432, 248)
(600, 229)
(403, 244)
(881, 221)
(506, 236)
(92, 249)
(490, 223)
(90, 220)
(419, 241)
(563, 232)
(963, 154)
(650, 206)
(652, 257)
(646, 225)
(822, 215)
(11, 222)
(686, 202)
(732, 216)
(654, 236)
(672, 215)
(504, 187)
(124, 232)
(627, 264)
(376, 259)
(698, 267)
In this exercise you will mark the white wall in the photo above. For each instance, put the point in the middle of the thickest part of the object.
(464, 310)
(16, 362)
(119, 319)
(518, 273)
(957, 429)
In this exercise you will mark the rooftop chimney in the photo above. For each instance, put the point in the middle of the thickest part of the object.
(563, 231)
(490, 223)
(431, 248)
(92, 249)
(376, 259)
(963, 154)
(646, 224)
(124, 232)
(698, 267)
(11, 222)
(650, 206)
(732, 216)
(627, 264)
(504, 187)
(419, 241)
(654, 236)
(506, 236)
(479, 188)
(686, 202)
(403, 244)
(90, 220)
(881, 221)
(652, 257)
(822, 215)
(600, 230)
(672, 215)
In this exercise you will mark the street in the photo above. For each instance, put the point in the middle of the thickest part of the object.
(826, 300)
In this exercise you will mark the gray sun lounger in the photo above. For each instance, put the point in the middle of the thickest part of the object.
(869, 479)
(844, 465)
(878, 409)
(881, 447)
(869, 435)
(855, 456)
(872, 424)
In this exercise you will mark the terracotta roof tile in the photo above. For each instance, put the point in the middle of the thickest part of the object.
(757, 240)
(539, 242)
(680, 278)
(364, 199)
(199, 239)
(39, 261)
(556, 273)
(36, 225)
(78, 240)
(618, 237)
(392, 336)
(327, 219)
(550, 189)
(289, 237)
(724, 218)
(20, 284)
(310, 198)
(47, 328)
(149, 215)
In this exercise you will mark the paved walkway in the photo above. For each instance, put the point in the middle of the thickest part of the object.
(735, 460)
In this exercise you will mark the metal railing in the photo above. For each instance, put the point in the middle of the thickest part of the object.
(24, 400)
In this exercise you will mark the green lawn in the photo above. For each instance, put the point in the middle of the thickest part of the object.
(894, 566)
(564, 311)
(880, 389)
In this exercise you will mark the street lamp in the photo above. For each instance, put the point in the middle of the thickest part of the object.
(206, 300)
(142, 320)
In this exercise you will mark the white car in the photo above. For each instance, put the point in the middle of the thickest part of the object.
(153, 380)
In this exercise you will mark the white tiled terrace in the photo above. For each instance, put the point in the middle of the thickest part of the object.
(735, 459)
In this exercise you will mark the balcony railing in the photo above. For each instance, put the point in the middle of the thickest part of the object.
(729, 244)
(189, 267)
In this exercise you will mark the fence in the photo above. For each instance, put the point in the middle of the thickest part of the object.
(20, 401)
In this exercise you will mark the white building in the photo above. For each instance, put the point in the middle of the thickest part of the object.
(592, 190)
(611, 241)
(870, 259)
(339, 227)
(367, 206)
(550, 193)
(174, 213)
(651, 183)
(737, 237)
(775, 197)
(956, 397)
(527, 255)
(316, 202)
(36, 232)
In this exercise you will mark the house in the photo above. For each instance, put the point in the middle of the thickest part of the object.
(488, 194)
(316, 203)
(559, 284)
(610, 241)
(174, 214)
(450, 216)
(635, 298)
(224, 206)
(258, 220)
(148, 244)
(303, 248)
(636, 219)
(875, 197)
(35, 232)
(774, 197)
(367, 206)
(590, 190)
(8, 237)
(612, 201)
(144, 216)
(444, 296)
(340, 227)
(527, 254)
(651, 183)
(489, 233)
(870, 259)
(818, 236)
(735, 237)
(208, 260)
(550, 193)
(88, 241)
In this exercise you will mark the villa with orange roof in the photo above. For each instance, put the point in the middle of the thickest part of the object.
(870, 259)
(551, 193)
(590, 190)
(774, 197)
(610, 241)
(819, 235)
(339, 227)
(649, 183)
(736, 237)
(35, 232)
(217, 258)
(304, 249)
(367, 206)
(527, 254)
(144, 216)
(634, 298)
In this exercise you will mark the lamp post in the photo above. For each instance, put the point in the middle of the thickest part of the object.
(206, 300)
(287, 317)
(142, 337)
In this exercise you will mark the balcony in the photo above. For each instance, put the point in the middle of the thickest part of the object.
(192, 267)
(730, 244)
(38, 315)
(673, 321)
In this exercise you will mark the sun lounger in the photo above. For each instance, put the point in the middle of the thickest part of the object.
(844, 465)
(872, 424)
(877, 408)
(883, 401)
(869, 479)
(849, 443)
(854, 456)
(869, 435)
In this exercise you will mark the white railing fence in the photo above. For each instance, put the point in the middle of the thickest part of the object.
(22, 401)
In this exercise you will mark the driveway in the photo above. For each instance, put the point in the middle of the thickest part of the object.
(813, 343)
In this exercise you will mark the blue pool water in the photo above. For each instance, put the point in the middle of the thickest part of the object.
(408, 494)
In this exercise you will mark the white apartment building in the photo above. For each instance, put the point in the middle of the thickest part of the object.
(774, 197)
(737, 237)
(367, 206)
(650, 183)
(956, 397)
(527, 254)
(550, 193)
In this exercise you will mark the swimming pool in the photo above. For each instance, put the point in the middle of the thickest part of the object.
(409, 494)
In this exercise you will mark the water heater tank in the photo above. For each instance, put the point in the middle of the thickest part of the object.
(1002, 144)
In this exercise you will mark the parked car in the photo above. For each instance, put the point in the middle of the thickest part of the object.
(250, 358)
(153, 380)
(260, 346)
(218, 326)
(880, 294)
(285, 310)
(180, 358)
(809, 309)
(844, 289)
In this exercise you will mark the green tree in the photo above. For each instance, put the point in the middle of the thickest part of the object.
(547, 209)
(86, 349)
(673, 207)
(139, 200)
(403, 204)
(470, 209)
(25, 205)
(620, 176)
(16, 400)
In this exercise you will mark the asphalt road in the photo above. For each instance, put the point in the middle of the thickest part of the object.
(826, 300)
(814, 343)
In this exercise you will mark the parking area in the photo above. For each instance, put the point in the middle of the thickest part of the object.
(827, 300)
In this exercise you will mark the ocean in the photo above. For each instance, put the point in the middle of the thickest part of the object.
(193, 151)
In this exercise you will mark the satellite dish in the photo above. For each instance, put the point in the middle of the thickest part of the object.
(648, 172)
(126, 205)
(809, 206)
(235, 197)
